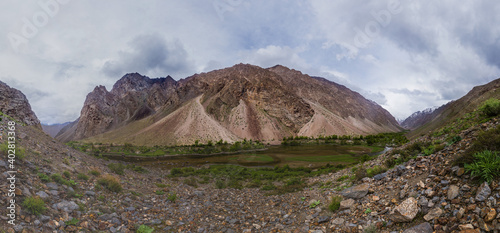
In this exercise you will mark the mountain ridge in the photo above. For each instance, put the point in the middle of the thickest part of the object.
(245, 100)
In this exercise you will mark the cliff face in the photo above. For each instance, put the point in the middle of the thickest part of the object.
(242, 101)
(14, 103)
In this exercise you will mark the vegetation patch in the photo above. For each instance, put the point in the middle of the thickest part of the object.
(112, 183)
(335, 203)
(486, 165)
(144, 229)
(34, 205)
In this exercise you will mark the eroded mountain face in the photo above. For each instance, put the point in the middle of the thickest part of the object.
(14, 103)
(243, 101)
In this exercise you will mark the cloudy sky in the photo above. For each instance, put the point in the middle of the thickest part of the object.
(405, 55)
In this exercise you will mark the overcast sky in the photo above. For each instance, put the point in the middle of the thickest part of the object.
(405, 55)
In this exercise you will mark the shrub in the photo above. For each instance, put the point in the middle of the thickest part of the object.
(144, 229)
(335, 203)
(117, 168)
(371, 172)
(82, 176)
(360, 173)
(486, 140)
(486, 165)
(490, 107)
(314, 204)
(34, 205)
(172, 197)
(44, 177)
(95, 172)
(159, 192)
(111, 183)
(67, 174)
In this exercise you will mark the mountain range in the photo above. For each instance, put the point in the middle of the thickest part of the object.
(231, 104)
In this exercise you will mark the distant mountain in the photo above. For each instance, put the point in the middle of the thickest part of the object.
(243, 101)
(456, 109)
(54, 129)
(14, 103)
(418, 118)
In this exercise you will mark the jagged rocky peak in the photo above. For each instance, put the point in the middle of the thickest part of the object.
(135, 82)
(14, 103)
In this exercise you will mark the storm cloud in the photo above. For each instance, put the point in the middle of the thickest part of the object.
(405, 55)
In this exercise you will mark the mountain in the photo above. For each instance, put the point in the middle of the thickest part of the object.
(458, 108)
(54, 129)
(14, 103)
(418, 118)
(243, 101)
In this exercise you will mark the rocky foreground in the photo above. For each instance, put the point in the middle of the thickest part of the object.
(426, 194)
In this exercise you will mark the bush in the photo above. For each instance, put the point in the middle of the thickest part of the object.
(111, 183)
(34, 205)
(43, 177)
(490, 107)
(486, 165)
(172, 197)
(82, 176)
(486, 140)
(335, 203)
(117, 168)
(371, 172)
(144, 229)
(67, 174)
(360, 173)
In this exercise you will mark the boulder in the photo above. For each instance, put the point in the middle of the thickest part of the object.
(356, 192)
(406, 211)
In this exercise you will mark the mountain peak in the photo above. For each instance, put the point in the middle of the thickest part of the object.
(14, 103)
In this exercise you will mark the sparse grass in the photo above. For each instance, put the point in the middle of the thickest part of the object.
(144, 229)
(370, 229)
(43, 177)
(160, 185)
(59, 179)
(34, 205)
(172, 197)
(95, 172)
(82, 176)
(159, 192)
(191, 181)
(67, 174)
(371, 172)
(72, 222)
(314, 204)
(335, 203)
(486, 140)
(112, 183)
(117, 168)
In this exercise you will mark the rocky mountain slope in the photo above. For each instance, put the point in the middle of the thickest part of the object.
(243, 101)
(419, 118)
(427, 193)
(14, 103)
(456, 109)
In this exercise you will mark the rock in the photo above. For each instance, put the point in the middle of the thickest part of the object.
(422, 228)
(338, 221)
(465, 227)
(380, 176)
(483, 192)
(434, 213)
(90, 193)
(460, 171)
(453, 192)
(406, 211)
(52, 186)
(346, 204)
(491, 215)
(42, 195)
(66, 206)
(356, 192)
(323, 219)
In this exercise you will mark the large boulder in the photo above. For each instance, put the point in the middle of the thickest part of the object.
(356, 192)
(406, 211)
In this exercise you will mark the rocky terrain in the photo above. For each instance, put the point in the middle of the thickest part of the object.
(419, 118)
(14, 103)
(428, 193)
(231, 104)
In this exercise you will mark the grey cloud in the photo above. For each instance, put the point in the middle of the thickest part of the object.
(150, 55)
